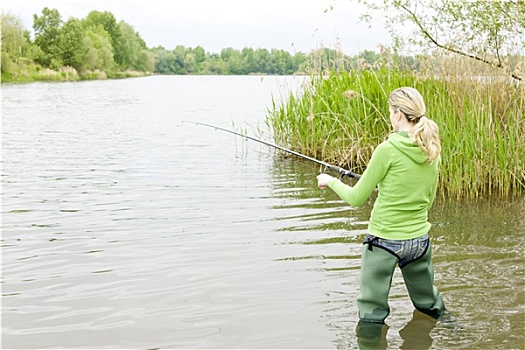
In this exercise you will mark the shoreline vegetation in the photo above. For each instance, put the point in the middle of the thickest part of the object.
(339, 116)
(342, 116)
(68, 74)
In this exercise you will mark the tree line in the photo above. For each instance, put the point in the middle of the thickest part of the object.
(187, 60)
(98, 43)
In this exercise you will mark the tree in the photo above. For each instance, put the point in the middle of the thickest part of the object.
(248, 60)
(146, 61)
(233, 59)
(110, 25)
(200, 54)
(30, 50)
(71, 44)
(162, 59)
(300, 60)
(190, 63)
(13, 38)
(282, 62)
(131, 44)
(216, 65)
(99, 51)
(490, 32)
(47, 33)
(262, 61)
(177, 65)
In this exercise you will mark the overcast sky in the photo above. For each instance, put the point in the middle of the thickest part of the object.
(292, 25)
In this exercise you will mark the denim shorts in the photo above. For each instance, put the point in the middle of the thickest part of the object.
(406, 251)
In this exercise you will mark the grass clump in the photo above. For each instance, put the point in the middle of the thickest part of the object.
(341, 117)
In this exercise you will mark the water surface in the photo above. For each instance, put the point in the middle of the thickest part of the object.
(125, 227)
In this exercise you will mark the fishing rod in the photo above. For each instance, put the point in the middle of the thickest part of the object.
(342, 172)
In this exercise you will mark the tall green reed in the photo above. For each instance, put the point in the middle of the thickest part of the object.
(341, 117)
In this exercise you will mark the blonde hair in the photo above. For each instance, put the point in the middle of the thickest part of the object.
(425, 131)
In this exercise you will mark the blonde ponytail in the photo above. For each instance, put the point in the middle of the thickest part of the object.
(425, 132)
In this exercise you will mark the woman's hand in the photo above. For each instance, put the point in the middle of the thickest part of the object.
(323, 180)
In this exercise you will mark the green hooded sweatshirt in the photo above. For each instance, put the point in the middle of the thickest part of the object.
(407, 186)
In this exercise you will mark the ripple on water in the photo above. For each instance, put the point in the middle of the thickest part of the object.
(124, 228)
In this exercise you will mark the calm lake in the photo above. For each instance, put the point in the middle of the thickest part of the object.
(126, 228)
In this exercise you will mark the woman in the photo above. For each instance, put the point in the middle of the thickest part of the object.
(405, 170)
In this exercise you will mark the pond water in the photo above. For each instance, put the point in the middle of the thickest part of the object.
(126, 228)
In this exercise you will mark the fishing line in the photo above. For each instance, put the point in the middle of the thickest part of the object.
(342, 172)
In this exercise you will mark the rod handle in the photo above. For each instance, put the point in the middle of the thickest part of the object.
(343, 172)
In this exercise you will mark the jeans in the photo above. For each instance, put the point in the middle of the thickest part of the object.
(405, 251)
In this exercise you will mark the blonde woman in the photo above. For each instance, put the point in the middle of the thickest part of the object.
(405, 170)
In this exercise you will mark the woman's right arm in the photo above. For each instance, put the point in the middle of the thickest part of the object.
(374, 173)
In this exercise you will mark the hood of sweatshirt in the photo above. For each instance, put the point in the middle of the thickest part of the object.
(402, 142)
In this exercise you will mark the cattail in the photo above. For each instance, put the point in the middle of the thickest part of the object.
(350, 94)
(310, 119)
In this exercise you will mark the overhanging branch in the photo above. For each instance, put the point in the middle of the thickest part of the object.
(451, 49)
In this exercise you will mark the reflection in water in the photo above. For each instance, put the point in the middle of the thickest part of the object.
(371, 335)
(416, 333)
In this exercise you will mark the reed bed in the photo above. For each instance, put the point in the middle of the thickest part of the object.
(341, 117)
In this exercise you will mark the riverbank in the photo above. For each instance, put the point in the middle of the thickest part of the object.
(23, 72)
